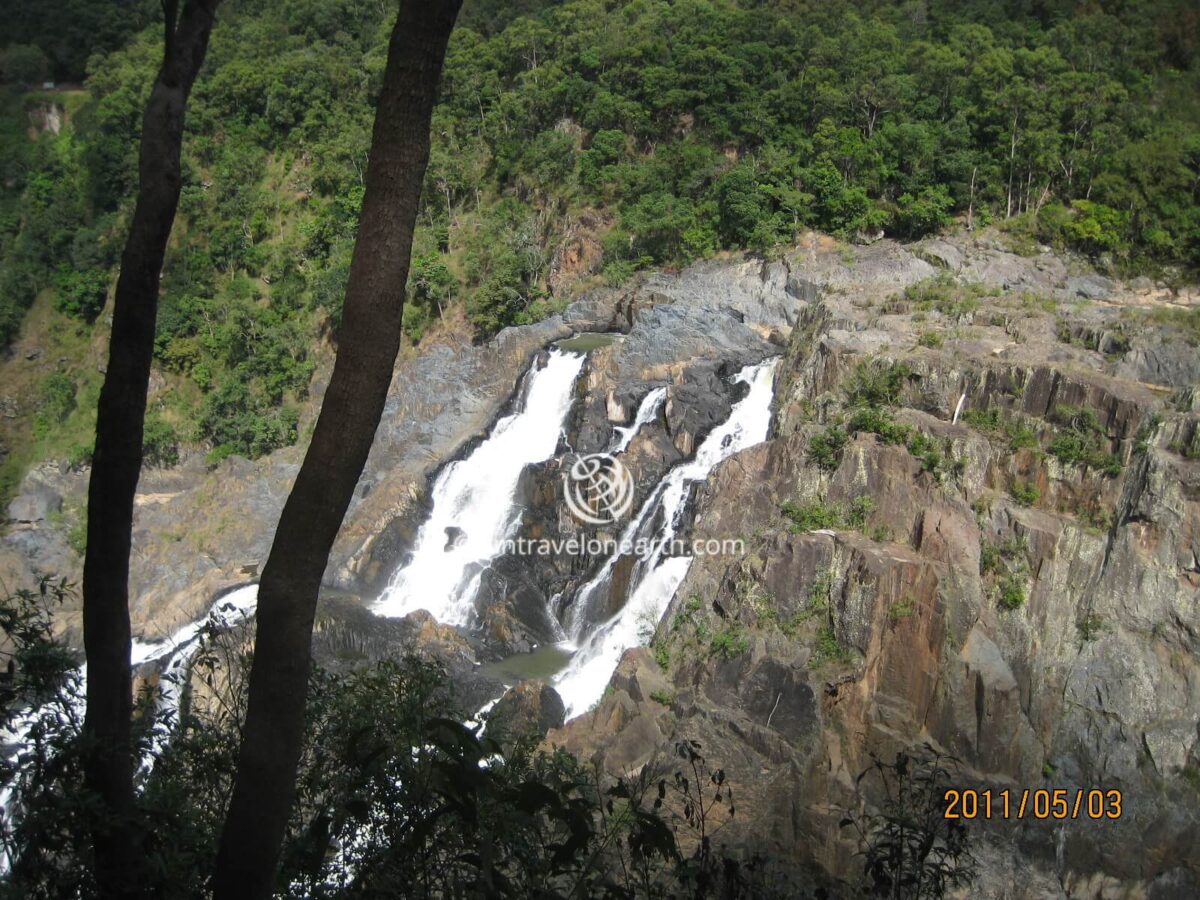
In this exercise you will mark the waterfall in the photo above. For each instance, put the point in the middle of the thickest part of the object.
(648, 409)
(473, 510)
(178, 651)
(656, 576)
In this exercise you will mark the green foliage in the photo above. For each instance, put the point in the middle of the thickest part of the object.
(1007, 565)
(943, 294)
(911, 849)
(32, 650)
(902, 609)
(1012, 592)
(160, 443)
(881, 422)
(827, 650)
(812, 516)
(729, 641)
(1015, 428)
(1020, 435)
(1083, 442)
(878, 382)
(57, 402)
(1092, 627)
(825, 448)
(237, 420)
(662, 653)
(1025, 492)
(23, 64)
(994, 558)
(931, 339)
(81, 294)
(1176, 321)
(983, 419)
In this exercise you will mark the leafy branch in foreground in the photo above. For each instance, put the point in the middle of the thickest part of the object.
(910, 849)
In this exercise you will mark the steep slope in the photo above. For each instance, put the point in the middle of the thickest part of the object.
(966, 533)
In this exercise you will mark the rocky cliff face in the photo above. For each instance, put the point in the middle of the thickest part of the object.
(1015, 585)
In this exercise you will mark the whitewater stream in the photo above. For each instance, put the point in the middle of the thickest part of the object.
(172, 656)
(473, 508)
(656, 575)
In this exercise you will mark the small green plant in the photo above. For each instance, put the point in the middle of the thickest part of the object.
(160, 443)
(77, 533)
(989, 559)
(1082, 443)
(878, 382)
(662, 653)
(825, 449)
(1012, 592)
(1146, 434)
(860, 509)
(1092, 627)
(826, 649)
(729, 641)
(666, 698)
(1020, 435)
(983, 419)
(1025, 492)
(902, 609)
(878, 420)
(811, 516)
(931, 339)
(943, 294)
(821, 594)
(57, 402)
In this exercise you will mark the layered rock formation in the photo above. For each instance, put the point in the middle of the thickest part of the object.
(984, 541)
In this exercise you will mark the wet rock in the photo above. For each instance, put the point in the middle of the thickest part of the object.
(531, 707)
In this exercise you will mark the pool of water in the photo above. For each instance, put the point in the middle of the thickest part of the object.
(545, 662)
(588, 341)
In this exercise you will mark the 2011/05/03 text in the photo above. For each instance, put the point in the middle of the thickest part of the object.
(1040, 803)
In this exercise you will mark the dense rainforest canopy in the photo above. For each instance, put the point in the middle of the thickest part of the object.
(680, 128)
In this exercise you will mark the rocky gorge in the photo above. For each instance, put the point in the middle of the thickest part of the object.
(974, 524)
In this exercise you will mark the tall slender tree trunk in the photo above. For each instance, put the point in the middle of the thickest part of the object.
(108, 766)
(345, 430)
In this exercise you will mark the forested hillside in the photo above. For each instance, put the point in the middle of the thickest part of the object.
(664, 131)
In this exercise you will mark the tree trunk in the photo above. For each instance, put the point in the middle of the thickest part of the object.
(345, 430)
(117, 462)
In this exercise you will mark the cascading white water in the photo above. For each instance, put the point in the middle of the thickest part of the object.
(656, 578)
(647, 410)
(473, 509)
(178, 650)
